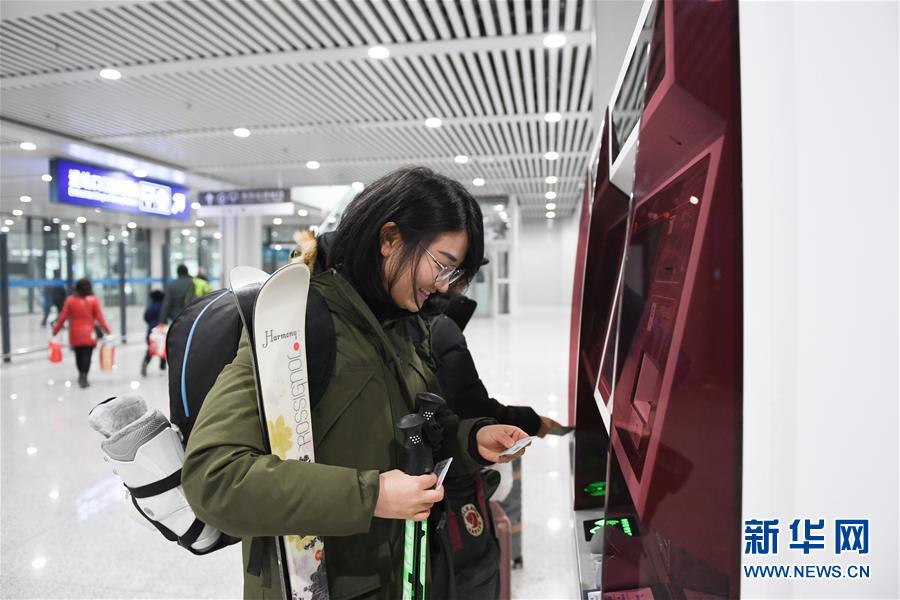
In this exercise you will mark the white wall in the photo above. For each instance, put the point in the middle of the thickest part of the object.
(544, 263)
(820, 121)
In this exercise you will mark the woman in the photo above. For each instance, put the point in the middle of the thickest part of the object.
(409, 234)
(82, 308)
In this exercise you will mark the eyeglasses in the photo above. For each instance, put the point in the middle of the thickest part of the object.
(448, 274)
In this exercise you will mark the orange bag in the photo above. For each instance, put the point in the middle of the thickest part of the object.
(107, 356)
(55, 350)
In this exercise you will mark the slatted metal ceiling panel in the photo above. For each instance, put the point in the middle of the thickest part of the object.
(296, 74)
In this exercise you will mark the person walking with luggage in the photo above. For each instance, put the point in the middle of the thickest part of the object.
(151, 318)
(409, 234)
(178, 294)
(82, 310)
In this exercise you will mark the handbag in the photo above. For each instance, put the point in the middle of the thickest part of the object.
(107, 356)
(55, 350)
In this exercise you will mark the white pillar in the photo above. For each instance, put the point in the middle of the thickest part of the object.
(241, 243)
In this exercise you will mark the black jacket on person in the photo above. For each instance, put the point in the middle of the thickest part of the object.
(176, 294)
(462, 387)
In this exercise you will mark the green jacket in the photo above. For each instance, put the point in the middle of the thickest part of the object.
(234, 485)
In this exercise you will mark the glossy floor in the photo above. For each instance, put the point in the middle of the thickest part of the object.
(66, 532)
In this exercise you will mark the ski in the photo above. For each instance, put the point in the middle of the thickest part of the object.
(277, 340)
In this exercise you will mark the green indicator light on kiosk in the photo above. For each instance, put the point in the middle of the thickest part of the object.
(626, 527)
(598, 525)
(598, 488)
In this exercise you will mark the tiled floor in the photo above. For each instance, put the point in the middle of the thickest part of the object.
(66, 534)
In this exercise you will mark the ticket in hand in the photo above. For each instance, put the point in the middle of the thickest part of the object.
(518, 445)
(441, 470)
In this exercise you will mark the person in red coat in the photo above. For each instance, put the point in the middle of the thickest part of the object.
(82, 308)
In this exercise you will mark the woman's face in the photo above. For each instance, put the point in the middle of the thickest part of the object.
(448, 248)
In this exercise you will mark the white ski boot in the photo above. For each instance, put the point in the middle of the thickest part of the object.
(146, 451)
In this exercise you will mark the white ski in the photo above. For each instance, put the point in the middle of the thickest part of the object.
(279, 344)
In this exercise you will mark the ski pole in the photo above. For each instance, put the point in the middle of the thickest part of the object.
(418, 462)
(427, 405)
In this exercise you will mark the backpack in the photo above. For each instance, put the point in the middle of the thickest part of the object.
(204, 338)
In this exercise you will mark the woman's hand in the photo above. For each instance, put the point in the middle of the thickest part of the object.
(402, 496)
(546, 425)
(494, 439)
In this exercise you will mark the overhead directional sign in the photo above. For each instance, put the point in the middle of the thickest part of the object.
(239, 197)
(89, 185)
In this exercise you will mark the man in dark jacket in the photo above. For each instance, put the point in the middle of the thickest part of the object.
(176, 294)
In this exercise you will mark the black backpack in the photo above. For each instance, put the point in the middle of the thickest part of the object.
(204, 338)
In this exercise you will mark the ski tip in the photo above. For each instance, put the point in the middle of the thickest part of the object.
(243, 276)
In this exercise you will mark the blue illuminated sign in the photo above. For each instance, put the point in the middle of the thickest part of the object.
(96, 187)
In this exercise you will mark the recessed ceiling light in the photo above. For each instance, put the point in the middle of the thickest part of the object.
(131, 225)
(499, 207)
(379, 52)
(550, 206)
(551, 179)
(110, 74)
(277, 221)
(64, 227)
(217, 235)
(199, 222)
(125, 233)
(55, 220)
(551, 155)
(39, 562)
(695, 200)
(461, 159)
(302, 212)
(554, 40)
(9, 222)
(139, 173)
(358, 186)
(54, 494)
(185, 231)
(433, 122)
(111, 237)
(71, 235)
(27, 146)
(241, 132)
(478, 181)
(550, 195)
(312, 164)
(47, 228)
(47, 178)
(97, 210)
(81, 220)
(504, 215)
(553, 117)
(17, 212)
(195, 205)
(4, 229)
(551, 215)
(192, 240)
(31, 450)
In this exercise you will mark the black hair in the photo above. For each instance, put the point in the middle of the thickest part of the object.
(83, 287)
(181, 270)
(424, 205)
(157, 295)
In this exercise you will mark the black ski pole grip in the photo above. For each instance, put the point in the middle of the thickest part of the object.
(427, 405)
(418, 455)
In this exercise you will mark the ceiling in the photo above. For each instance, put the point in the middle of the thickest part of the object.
(297, 74)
